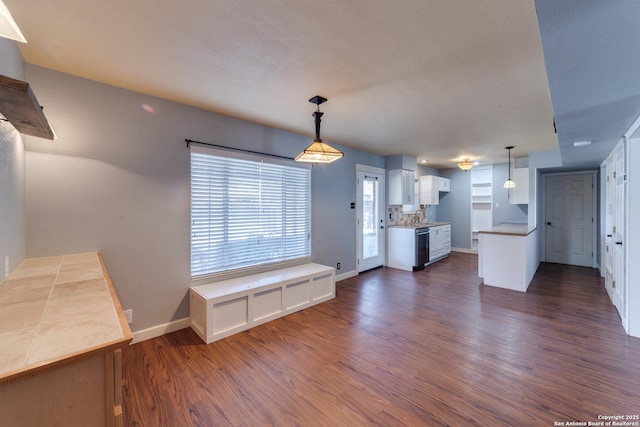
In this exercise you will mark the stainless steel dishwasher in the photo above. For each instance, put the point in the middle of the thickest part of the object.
(422, 247)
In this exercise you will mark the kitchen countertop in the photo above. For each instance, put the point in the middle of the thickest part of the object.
(421, 225)
(55, 311)
(509, 229)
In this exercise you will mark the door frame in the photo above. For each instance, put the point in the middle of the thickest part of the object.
(594, 210)
(383, 199)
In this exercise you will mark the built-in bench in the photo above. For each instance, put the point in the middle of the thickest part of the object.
(224, 308)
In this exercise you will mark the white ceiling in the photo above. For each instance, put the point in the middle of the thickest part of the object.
(439, 80)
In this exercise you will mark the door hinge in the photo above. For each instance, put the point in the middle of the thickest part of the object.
(614, 284)
(614, 174)
(614, 228)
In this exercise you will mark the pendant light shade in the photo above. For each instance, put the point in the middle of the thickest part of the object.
(509, 182)
(318, 151)
(466, 164)
(8, 27)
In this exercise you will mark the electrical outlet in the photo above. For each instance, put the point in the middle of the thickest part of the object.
(338, 266)
(129, 315)
(6, 266)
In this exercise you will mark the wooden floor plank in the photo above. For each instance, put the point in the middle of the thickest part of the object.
(434, 347)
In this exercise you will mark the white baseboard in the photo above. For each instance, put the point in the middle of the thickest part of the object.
(465, 250)
(348, 274)
(159, 330)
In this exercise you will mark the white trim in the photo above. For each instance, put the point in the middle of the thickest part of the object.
(159, 330)
(347, 275)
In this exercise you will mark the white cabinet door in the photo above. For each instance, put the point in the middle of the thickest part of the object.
(428, 190)
(520, 194)
(401, 187)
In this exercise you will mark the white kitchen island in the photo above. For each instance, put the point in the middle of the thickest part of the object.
(508, 256)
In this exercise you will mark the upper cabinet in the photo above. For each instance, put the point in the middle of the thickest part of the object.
(430, 188)
(520, 194)
(401, 187)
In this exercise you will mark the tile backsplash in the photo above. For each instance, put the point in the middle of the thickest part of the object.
(397, 217)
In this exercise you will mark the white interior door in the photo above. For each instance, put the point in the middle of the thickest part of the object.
(569, 219)
(619, 282)
(370, 219)
(609, 201)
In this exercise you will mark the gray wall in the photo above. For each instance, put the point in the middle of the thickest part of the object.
(12, 172)
(117, 181)
(455, 207)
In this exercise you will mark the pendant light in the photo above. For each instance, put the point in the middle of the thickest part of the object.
(8, 27)
(466, 164)
(509, 182)
(318, 151)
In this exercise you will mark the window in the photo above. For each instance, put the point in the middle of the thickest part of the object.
(247, 211)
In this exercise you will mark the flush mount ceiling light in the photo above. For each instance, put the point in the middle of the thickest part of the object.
(509, 182)
(466, 164)
(318, 151)
(8, 27)
(581, 143)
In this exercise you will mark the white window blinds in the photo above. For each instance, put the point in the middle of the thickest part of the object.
(247, 212)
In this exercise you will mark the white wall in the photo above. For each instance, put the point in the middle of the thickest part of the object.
(117, 181)
(12, 172)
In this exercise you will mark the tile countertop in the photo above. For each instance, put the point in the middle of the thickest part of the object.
(421, 225)
(509, 229)
(57, 310)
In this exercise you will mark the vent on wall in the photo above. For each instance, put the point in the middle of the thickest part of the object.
(20, 107)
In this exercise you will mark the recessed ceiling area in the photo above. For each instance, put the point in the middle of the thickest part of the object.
(438, 80)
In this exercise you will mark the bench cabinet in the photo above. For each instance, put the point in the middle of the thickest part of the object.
(224, 308)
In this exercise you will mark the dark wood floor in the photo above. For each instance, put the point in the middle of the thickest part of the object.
(397, 348)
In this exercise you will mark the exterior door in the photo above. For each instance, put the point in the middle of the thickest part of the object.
(569, 219)
(370, 219)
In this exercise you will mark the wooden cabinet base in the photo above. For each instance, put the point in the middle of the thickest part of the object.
(78, 394)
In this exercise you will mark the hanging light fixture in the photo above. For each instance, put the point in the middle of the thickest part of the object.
(509, 182)
(8, 27)
(466, 164)
(318, 151)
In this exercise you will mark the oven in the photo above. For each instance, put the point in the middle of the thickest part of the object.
(422, 247)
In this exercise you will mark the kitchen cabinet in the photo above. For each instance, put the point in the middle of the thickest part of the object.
(62, 347)
(401, 187)
(439, 242)
(430, 188)
(402, 247)
(520, 194)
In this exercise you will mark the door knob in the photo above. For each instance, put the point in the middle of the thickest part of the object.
(548, 223)
(619, 243)
(609, 235)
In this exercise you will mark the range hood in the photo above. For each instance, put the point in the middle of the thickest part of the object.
(20, 107)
